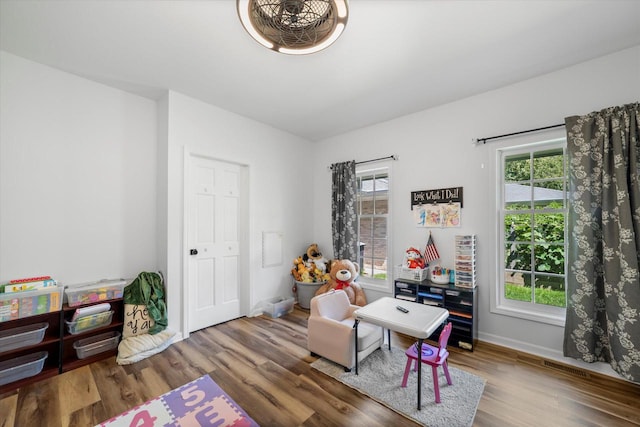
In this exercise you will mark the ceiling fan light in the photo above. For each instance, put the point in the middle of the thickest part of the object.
(243, 13)
(326, 43)
(341, 7)
(294, 26)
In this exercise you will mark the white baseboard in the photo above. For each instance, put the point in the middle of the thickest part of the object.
(547, 353)
(257, 311)
(176, 338)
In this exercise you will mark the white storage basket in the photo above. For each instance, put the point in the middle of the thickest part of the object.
(417, 274)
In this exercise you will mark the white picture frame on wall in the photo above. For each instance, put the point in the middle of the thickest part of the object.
(271, 248)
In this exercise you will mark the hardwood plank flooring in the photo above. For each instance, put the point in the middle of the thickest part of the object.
(263, 364)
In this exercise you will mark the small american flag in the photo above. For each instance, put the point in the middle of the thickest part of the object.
(430, 251)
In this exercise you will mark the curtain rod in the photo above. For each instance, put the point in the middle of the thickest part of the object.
(393, 157)
(484, 140)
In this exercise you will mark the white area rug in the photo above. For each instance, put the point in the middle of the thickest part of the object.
(380, 378)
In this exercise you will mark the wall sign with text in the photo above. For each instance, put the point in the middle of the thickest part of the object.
(441, 195)
(437, 208)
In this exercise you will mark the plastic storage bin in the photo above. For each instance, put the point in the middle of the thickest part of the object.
(22, 367)
(94, 292)
(16, 305)
(88, 347)
(417, 274)
(88, 323)
(278, 306)
(22, 336)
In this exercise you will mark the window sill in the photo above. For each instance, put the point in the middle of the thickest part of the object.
(375, 285)
(555, 319)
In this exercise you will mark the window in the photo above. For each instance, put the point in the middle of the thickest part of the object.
(532, 231)
(373, 220)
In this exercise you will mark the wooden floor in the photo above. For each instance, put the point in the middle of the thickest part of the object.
(263, 365)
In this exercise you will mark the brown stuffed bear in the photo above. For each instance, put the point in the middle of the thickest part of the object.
(342, 276)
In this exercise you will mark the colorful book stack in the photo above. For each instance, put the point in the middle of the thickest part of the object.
(27, 297)
(29, 284)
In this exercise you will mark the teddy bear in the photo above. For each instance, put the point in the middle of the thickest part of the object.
(343, 276)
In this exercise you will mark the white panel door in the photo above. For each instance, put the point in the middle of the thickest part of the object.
(213, 241)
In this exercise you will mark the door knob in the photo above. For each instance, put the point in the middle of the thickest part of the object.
(193, 252)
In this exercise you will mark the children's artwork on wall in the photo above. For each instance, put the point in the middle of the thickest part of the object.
(450, 213)
(437, 208)
(428, 215)
(434, 217)
(419, 216)
(441, 215)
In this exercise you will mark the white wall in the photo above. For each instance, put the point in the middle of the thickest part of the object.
(77, 176)
(435, 151)
(280, 191)
(91, 181)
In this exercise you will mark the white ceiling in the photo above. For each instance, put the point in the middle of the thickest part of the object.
(394, 58)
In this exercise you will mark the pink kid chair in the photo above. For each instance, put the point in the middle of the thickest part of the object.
(433, 356)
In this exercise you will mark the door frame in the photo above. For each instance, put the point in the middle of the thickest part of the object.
(244, 283)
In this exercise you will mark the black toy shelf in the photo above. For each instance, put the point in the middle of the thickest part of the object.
(461, 302)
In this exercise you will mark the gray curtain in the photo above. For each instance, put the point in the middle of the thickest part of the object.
(344, 216)
(603, 287)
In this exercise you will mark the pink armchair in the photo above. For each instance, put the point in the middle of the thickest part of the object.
(331, 333)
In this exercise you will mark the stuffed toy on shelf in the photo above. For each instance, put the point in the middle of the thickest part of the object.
(413, 259)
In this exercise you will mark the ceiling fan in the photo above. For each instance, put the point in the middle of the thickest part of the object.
(294, 26)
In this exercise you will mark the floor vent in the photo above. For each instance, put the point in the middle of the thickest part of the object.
(568, 369)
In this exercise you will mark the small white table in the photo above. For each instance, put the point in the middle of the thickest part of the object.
(420, 322)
